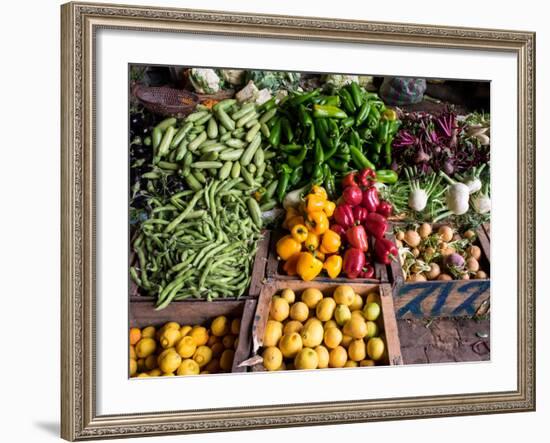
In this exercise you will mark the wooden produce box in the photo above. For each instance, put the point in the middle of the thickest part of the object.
(386, 321)
(436, 298)
(198, 312)
(382, 273)
(257, 273)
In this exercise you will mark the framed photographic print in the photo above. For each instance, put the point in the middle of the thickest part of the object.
(280, 221)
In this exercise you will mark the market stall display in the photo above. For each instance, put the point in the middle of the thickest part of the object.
(271, 186)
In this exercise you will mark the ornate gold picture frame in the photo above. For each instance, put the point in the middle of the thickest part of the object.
(80, 21)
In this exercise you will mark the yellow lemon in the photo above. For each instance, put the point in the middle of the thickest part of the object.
(273, 332)
(235, 326)
(330, 324)
(342, 314)
(188, 367)
(145, 347)
(220, 326)
(356, 327)
(199, 334)
(184, 330)
(323, 356)
(292, 326)
(155, 372)
(337, 357)
(299, 311)
(373, 297)
(332, 337)
(290, 345)
(151, 362)
(170, 325)
(346, 340)
(312, 333)
(202, 355)
(148, 332)
(168, 374)
(344, 295)
(312, 296)
(375, 348)
(226, 360)
(279, 309)
(169, 361)
(133, 352)
(135, 335)
(186, 347)
(366, 363)
(325, 309)
(228, 341)
(133, 367)
(288, 295)
(351, 364)
(143, 375)
(169, 337)
(273, 358)
(357, 303)
(306, 359)
(371, 311)
(372, 329)
(358, 314)
(357, 350)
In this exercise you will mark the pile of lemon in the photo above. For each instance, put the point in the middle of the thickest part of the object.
(176, 349)
(320, 331)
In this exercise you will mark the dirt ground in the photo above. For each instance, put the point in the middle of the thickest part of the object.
(444, 340)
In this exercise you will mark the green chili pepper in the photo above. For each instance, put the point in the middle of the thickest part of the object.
(317, 175)
(387, 152)
(296, 160)
(290, 148)
(329, 181)
(275, 135)
(386, 176)
(333, 130)
(299, 99)
(287, 130)
(311, 134)
(266, 106)
(348, 122)
(347, 101)
(284, 178)
(328, 111)
(305, 118)
(356, 94)
(338, 165)
(383, 131)
(355, 140)
(319, 155)
(322, 133)
(296, 176)
(363, 113)
(360, 161)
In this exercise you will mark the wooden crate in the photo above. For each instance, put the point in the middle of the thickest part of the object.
(198, 312)
(275, 266)
(386, 321)
(258, 271)
(454, 298)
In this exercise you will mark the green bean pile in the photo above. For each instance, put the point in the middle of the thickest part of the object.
(198, 244)
(229, 141)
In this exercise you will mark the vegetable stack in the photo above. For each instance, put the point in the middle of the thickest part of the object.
(320, 137)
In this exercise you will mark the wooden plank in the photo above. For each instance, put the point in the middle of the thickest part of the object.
(245, 336)
(387, 321)
(260, 263)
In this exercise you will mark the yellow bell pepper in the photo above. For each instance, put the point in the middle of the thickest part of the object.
(329, 208)
(296, 220)
(299, 233)
(331, 242)
(319, 254)
(287, 247)
(308, 267)
(314, 203)
(320, 191)
(333, 266)
(317, 222)
(312, 241)
(290, 265)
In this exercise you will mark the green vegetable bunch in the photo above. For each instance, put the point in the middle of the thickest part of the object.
(274, 80)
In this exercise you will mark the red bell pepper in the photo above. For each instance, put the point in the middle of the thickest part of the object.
(340, 231)
(385, 251)
(360, 214)
(370, 199)
(367, 272)
(352, 195)
(376, 225)
(357, 238)
(385, 208)
(349, 180)
(366, 177)
(343, 214)
(354, 261)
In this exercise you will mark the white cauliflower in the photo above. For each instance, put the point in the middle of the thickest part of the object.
(248, 94)
(263, 96)
(204, 81)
